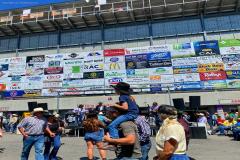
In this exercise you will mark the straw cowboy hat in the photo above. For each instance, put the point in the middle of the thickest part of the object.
(35, 110)
(201, 114)
(122, 87)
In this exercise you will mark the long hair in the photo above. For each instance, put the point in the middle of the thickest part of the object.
(91, 124)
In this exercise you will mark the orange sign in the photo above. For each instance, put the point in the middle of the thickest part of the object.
(2, 87)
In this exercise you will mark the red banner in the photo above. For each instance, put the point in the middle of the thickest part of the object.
(114, 52)
(220, 75)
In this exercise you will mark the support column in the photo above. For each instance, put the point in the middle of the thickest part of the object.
(203, 27)
(150, 33)
(103, 37)
(59, 40)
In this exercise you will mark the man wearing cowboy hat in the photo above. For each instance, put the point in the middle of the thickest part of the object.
(33, 128)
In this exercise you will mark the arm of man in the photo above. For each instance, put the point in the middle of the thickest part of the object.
(127, 140)
(21, 130)
(21, 126)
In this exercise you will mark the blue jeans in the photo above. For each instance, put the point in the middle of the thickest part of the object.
(179, 157)
(236, 133)
(38, 142)
(145, 148)
(112, 128)
(56, 141)
(222, 129)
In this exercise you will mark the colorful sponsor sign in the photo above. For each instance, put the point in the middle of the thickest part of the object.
(154, 79)
(137, 73)
(137, 61)
(185, 61)
(212, 67)
(159, 59)
(17, 66)
(34, 82)
(35, 61)
(114, 63)
(92, 67)
(155, 88)
(147, 49)
(49, 92)
(73, 68)
(231, 61)
(114, 52)
(53, 70)
(93, 82)
(52, 84)
(137, 81)
(72, 83)
(4, 70)
(185, 69)
(229, 46)
(32, 93)
(190, 77)
(206, 48)
(34, 71)
(72, 56)
(219, 75)
(209, 59)
(185, 86)
(213, 84)
(182, 50)
(160, 71)
(93, 75)
(114, 81)
(233, 74)
(114, 74)
(53, 77)
(233, 83)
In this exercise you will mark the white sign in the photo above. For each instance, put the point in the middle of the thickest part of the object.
(52, 84)
(114, 74)
(74, 83)
(137, 73)
(161, 79)
(34, 82)
(148, 49)
(190, 77)
(185, 61)
(53, 77)
(160, 71)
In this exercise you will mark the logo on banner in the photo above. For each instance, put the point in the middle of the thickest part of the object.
(115, 80)
(114, 52)
(53, 70)
(91, 54)
(220, 75)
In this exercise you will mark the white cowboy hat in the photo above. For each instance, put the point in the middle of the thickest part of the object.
(56, 115)
(101, 113)
(38, 110)
(201, 114)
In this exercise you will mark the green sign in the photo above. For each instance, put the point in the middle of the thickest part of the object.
(229, 43)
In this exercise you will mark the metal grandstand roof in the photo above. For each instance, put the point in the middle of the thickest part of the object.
(82, 15)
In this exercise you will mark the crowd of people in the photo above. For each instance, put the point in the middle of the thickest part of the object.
(122, 127)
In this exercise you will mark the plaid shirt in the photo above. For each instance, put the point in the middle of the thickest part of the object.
(144, 129)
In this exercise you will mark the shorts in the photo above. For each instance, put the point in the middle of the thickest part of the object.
(179, 157)
(94, 136)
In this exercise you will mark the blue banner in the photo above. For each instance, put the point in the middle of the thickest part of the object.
(154, 88)
(137, 61)
(12, 94)
(158, 56)
(16, 4)
(233, 74)
(186, 86)
(206, 48)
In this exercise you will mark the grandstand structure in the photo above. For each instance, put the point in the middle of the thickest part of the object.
(81, 26)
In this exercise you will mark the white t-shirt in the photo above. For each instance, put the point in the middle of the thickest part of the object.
(171, 129)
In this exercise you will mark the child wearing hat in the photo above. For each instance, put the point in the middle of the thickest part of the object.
(127, 104)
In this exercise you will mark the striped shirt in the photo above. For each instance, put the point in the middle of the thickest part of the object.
(33, 125)
(144, 129)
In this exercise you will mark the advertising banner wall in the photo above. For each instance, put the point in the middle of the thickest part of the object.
(157, 79)
(229, 46)
(114, 63)
(219, 75)
(231, 61)
(182, 50)
(206, 48)
(93, 75)
(148, 49)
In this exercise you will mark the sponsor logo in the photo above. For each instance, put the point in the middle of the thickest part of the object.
(91, 54)
(115, 80)
(114, 59)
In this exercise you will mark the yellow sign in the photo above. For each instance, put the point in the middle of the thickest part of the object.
(210, 67)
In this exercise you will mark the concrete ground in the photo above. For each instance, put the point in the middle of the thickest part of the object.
(214, 148)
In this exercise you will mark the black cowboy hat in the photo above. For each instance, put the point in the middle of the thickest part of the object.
(122, 87)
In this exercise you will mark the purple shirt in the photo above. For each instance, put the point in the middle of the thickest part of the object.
(202, 120)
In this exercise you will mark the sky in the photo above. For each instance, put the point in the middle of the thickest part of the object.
(13, 4)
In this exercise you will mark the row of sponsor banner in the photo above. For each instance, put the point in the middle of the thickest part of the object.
(180, 86)
(188, 66)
